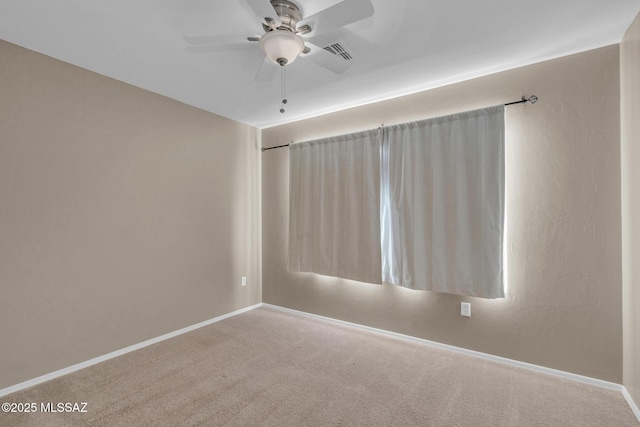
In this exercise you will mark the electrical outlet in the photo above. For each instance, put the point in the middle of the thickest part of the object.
(244, 281)
(465, 309)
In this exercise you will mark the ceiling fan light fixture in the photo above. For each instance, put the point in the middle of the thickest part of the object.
(281, 46)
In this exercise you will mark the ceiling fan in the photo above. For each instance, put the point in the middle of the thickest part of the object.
(289, 34)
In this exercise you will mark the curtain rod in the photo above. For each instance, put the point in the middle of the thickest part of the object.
(531, 100)
(277, 146)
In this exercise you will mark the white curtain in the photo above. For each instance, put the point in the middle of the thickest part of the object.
(334, 207)
(442, 204)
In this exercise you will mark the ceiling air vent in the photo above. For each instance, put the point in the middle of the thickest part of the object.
(339, 49)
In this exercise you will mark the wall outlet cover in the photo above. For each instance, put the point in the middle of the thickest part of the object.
(465, 309)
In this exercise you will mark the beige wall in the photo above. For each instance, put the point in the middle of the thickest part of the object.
(630, 112)
(563, 206)
(123, 215)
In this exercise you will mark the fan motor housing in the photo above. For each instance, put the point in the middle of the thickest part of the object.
(289, 14)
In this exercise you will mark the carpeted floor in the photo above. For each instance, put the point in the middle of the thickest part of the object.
(266, 367)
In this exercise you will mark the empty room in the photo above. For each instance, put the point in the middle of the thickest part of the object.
(319, 213)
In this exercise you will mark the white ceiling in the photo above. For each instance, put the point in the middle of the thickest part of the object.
(406, 46)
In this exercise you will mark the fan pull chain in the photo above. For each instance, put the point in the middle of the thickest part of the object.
(284, 99)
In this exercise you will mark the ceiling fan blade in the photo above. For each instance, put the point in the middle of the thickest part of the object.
(344, 13)
(208, 44)
(266, 71)
(203, 40)
(209, 48)
(263, 9)
(330, 61)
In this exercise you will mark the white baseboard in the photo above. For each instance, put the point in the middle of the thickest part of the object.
(631, 403)
(460, 350)
(78, 366)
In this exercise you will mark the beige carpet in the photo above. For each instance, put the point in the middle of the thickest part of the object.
(266, 367)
